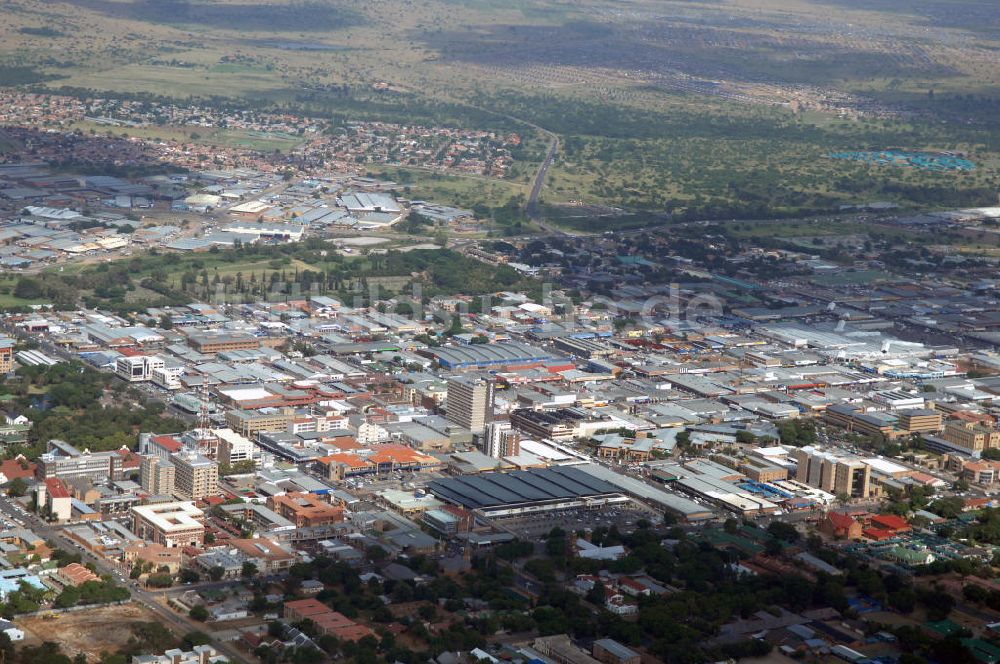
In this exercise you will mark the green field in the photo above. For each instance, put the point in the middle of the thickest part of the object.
(702, 109)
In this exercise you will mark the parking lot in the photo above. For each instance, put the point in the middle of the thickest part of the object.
(539, 525)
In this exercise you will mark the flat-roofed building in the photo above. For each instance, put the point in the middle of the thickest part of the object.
(170, 524)
(306, 510)
(157, 475)
(919, 420)
(470, 402)
(249, 423)
(610, 651)
(211, 343)
(138, 368)
(195, 476)
(970, 435)
(840, 474)
(6, 355)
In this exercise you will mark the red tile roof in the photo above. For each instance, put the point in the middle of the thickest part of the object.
(11, 468)
(56, 488)
(890, 522)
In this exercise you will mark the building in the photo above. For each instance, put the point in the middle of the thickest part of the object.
(971, 435)
(249, 423)
(211, 343)
(64, 461)
(839, 474)
(170, 524)
(58, 500)
(470, 403)
(501, 440)
(919, 420)
(195, 476)
(6, 355)
(234, 448)
(138, 368)
(327, 621)
(527, 491)
(157, 475)
(199, 655)
(610, 651)
(869, 424)
(306, 510)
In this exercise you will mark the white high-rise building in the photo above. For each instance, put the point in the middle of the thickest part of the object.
(500, 440)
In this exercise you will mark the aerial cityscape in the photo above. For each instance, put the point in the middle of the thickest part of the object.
(534, 332)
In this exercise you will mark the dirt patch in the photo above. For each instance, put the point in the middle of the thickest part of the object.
(91, 631)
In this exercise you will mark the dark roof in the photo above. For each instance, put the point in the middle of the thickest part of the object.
(526, 486)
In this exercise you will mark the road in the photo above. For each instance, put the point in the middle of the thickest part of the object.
(531, 209)
(181, 624)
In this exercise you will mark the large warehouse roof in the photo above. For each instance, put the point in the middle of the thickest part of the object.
(484, 355)
(527, 486)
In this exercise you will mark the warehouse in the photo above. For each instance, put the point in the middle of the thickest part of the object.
(488, 356)
(527, 492)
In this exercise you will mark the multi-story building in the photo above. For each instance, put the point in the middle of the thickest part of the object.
(501, 440)
(169, 524)
(919, 420)
(470, 402)
(58, 500)
(6, 355)
(854, 419)
(306, 510)
(138, 368)
(64, 461)
(195, 476)
(234, 448)
(211, 343)
(249, 423)
(840, 474)
(971, 435)
(157, 475)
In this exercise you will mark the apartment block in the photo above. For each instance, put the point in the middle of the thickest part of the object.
(470, 402)
(157, 475)
(195, 476)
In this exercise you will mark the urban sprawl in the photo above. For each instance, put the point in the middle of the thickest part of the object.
(673, 439)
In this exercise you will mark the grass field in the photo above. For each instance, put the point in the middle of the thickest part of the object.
(722, 109)
(263, 142)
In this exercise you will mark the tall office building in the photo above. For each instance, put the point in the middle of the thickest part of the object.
(839, 474)
(470, 402)
(195, 476)
(157, 476)
(500, 440)
(6, 354)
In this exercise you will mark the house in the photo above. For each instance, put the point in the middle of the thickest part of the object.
(840, 526)
(13, 632)
(890, 522)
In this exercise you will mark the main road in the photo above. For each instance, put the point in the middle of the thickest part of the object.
(180, 623)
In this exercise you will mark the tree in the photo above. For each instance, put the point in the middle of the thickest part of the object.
(783, 531)
(216, 573)
(376, 553)
(198, 612)
(598, 594)
(17, 487)
(249, 569)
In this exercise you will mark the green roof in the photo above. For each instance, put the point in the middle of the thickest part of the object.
(982, 650)
(943, 627)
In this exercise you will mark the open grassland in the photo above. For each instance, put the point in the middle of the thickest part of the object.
(702, 108)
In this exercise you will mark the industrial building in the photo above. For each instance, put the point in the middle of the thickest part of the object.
(528, 491)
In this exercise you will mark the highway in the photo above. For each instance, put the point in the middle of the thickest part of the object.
(531, 209)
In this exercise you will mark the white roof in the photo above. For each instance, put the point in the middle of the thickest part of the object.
(247, 393)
